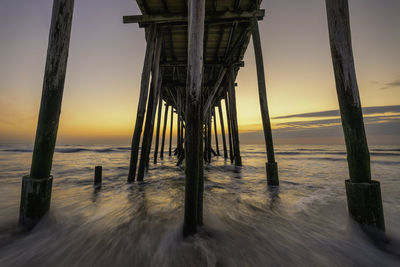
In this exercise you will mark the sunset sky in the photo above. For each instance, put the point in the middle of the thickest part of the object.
(106, 57)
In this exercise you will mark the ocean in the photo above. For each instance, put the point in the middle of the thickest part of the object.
(303, 222)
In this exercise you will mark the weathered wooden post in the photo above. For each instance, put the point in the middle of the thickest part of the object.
(234, 123)
(182, 132)
(144, 89)
(164, 130)
(98, 176)
(153, 122)
(200, 184)
(205, 134)
(209, 132)
(271, 165)
(228, 119)
(221, 118)
(148, 131)
(179, 120)
(36, 187)
(158, 130)
(216, 132)
(193, 138)
(170, 132)
(151, 108)
(364, 199)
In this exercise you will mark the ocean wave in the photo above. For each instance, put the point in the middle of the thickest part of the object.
(375, 152)
(17, 150)
(69, 150)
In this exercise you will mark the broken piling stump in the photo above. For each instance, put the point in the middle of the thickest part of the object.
(98, 176)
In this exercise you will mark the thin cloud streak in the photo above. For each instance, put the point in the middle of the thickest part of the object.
(393, 84)
(334, 113)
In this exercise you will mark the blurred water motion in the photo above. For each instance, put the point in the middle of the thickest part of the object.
(304, 222)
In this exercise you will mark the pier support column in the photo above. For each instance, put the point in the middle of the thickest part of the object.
(36, 188)
(228, 119)
(216, 131)
(363, 194)
(205, 134)
(221, 118)
(179, 121)
(151, 110)
(160, 103)
(209, 135)
(233, 113)
(170, 132)
(141, 110)
(271, 165)
(193, 140)
(164, 131)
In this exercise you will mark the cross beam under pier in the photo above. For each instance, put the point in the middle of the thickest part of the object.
(182, 19)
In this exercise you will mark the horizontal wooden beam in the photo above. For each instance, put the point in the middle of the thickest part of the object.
(182, 85)
(215, 64)
(215, 17)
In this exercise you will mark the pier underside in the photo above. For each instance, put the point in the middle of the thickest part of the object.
(227, 31)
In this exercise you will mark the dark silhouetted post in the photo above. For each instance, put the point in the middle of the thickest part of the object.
(209, 132)
(153, 122)
(98, 176)
(151, 107)
(271, 165)
(179, 121)
(216, 132)
(228, 119)
(158, 130)
(364, 199)
(144, 89)
(221, 118)
(36, 187)
(193, 143)
(234, 123)
(205, 154)
(164, 131)
(170, 132)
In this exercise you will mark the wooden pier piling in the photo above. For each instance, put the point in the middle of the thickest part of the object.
(271, 165)
(153, 122)
(221, 118)
(179, 121)
(36, 187)
(205, 134)
(170, 132)
(364, 199)
(151, 108)
(228, 119)
(209, 135)
(193, 143)
(233, 114)
(164, 131)
(158, 130)
(144, 88)
(216, 132)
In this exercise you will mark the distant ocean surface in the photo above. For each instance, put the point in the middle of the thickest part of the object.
(303, 222)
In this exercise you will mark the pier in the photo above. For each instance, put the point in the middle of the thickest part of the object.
(194, 51)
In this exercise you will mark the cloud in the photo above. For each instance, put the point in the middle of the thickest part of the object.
(382, 125)
(392, 84)
(335, 113)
